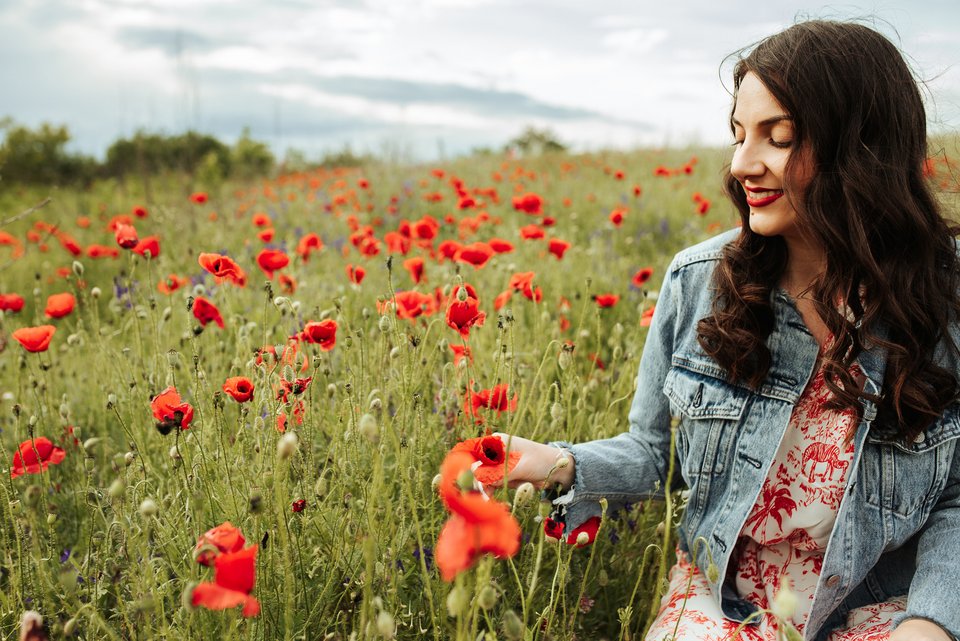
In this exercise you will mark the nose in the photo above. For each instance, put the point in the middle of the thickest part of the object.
(746, 162)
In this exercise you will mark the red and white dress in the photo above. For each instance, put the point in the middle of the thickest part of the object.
(784, 537)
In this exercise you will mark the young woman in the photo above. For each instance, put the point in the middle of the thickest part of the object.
(815, 379)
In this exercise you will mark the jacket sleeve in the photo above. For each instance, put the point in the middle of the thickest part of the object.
(633, 465)
(935, 589)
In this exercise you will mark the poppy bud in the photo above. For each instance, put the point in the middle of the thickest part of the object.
(175, 453)
(602, 578)
(95, 293)
(512, 626)
(384, 324)
(90, 443)
(287, 445)
(331, 390)
(320, 487)
(556, 411)
(524, 494)
(583, 539)
(77, 268)
(436, 481)
(32, 421)
(565, 360)
(128, 458)
(713, 573)
(385, 625)
(457, 600)
(375, 405)
(149, 508)
(395, 352)
(487, 597)
(368, 428)
(117, 488)
(70, 627)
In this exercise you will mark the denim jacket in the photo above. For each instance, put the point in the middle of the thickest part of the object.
(898, 525)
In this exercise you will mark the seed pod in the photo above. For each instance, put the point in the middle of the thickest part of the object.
(487, 597)
(149, 508)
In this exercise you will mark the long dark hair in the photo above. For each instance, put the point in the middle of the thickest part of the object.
(857, 109)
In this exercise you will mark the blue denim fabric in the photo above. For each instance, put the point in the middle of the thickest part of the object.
(898, 526)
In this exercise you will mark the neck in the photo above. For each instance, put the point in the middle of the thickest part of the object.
(805, 262)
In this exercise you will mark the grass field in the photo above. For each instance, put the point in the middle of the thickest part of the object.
(345, 514)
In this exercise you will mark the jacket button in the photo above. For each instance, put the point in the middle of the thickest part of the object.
(921, 437)
(833, 580)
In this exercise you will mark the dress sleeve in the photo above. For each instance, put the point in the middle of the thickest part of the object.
(633, 465)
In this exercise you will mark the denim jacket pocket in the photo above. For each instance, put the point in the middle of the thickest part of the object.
(709, 409)
(907, 478)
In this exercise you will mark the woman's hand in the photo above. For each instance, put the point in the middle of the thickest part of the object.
(539, 464)
(919, 630)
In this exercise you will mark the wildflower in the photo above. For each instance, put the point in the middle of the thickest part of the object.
(148, 244)
(476, 254)
(415, 267)
(495, 398)
(322, 333)
(34, 456)
(170, 411)
(606, 300)
(616, 217)
(531, 232)
(171, 284)
(355, 274)
(449, 248)
(461, 353)
(266, 235)
(491, 453)
(271, 260)
(260, 219)
(35, 339)
(299, 505)
(703, 207)
(126, 236)
(60, 305)
(642, 276)
(223, 267)
(199, 197)
(411, 304)
(102, 251)
(647, 317)
(462, 315)
(529, 203)
(558, 247)
(309, 244)
(225, 538)
(11, 302)
(139, 211)
(501, 246)
(234, 575)
(585, 534)
(288, 284)
(205, 312)
(240, 388)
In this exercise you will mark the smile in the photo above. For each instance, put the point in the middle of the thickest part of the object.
(763, 198)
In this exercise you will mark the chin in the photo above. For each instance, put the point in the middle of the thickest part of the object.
(769, 224)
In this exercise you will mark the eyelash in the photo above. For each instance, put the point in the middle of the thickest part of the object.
(779, 145)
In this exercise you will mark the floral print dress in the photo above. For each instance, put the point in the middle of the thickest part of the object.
(784, 537)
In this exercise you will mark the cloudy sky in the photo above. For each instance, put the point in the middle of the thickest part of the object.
(421, 78)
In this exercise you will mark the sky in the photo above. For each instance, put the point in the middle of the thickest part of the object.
(418, 79)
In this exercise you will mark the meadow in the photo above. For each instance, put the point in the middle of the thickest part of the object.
(296, 357)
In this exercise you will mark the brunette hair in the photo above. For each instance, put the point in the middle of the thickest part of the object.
(890, 254)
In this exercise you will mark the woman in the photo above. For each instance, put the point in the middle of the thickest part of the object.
(816, 380)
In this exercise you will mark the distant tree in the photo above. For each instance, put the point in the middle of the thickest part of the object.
(533, 142)
(249, 157)
(345, 158)
(153, 153)
(39, 156)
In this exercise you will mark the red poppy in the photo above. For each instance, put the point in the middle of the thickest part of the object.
(552, 529)
(461, 353)
(150, 243)
(260, 219)
(523, 282)
(606, 300)
(449, 249)
(703, 207)
(411, 304)
(288, 284)
(11, 302)
(35, 339)
(206, 312)
(501, 246)
(299, 505)
(397, 243)
(240, 388)
(616, 217)
(642, 276)
(590, 527)
(171, 284)
(530, 203)
(496, 398)
(558, 247)
(476, 254)
(69, 243)
(355, 274)
(476, 526)
(11, 241)
(170, 410)
(223, 539)
(60, 305)
(266, 235)
(322, 333)
(140, 211)
(415, 267)
(531, 232)
(34, 456)
(234, 575)
(502, 299)
(126, 236)
(271, 260)
(223, 267)
(199, 197)
(462, 315)
(309, 244)
(102, 251)
(491, 453)
(647, 317)
(637, 190)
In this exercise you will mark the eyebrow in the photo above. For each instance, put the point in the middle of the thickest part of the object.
(767, 121)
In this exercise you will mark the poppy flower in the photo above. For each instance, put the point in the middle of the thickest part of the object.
(11, 302)
(199, 197)
(102, 251)
(500, 245)
(529, 203)
(462, 315)
(355, 274)
(637, 190)
(140, 211)
(225, 538)
(271, 260)
(496, 398)
(266, 235)
(69, 243)
(396, 242)
(309, 244)
(449, 248)
(552, 528)
(616, 217)
(415, 267)
(703, 207)
(233, 578)
(322, 333)
(558, 247)
(491, 452)
(149, 243)
(531, 232)
(461, 353)
(411, 304)
(206, 312)
(34, 339)
(590, 527)
(60, 305)
(223, 267)
(298, 506)
(171, 284)
(647, 317)
(502, 299)
(34, 456)
(260, 219)
(642, 276)
(126, 236)
(476, 526)
(476, 254)
(606, 300)
(288, 284)
(240, 388)
(170, 411)
(11, 241)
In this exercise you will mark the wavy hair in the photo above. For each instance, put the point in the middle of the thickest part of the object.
(890, 253)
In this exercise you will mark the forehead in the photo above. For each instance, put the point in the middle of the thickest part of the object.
(755, 103)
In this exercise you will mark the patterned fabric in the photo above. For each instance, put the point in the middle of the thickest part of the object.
(784, 537)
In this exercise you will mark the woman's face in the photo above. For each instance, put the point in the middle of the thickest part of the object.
(764, 143)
